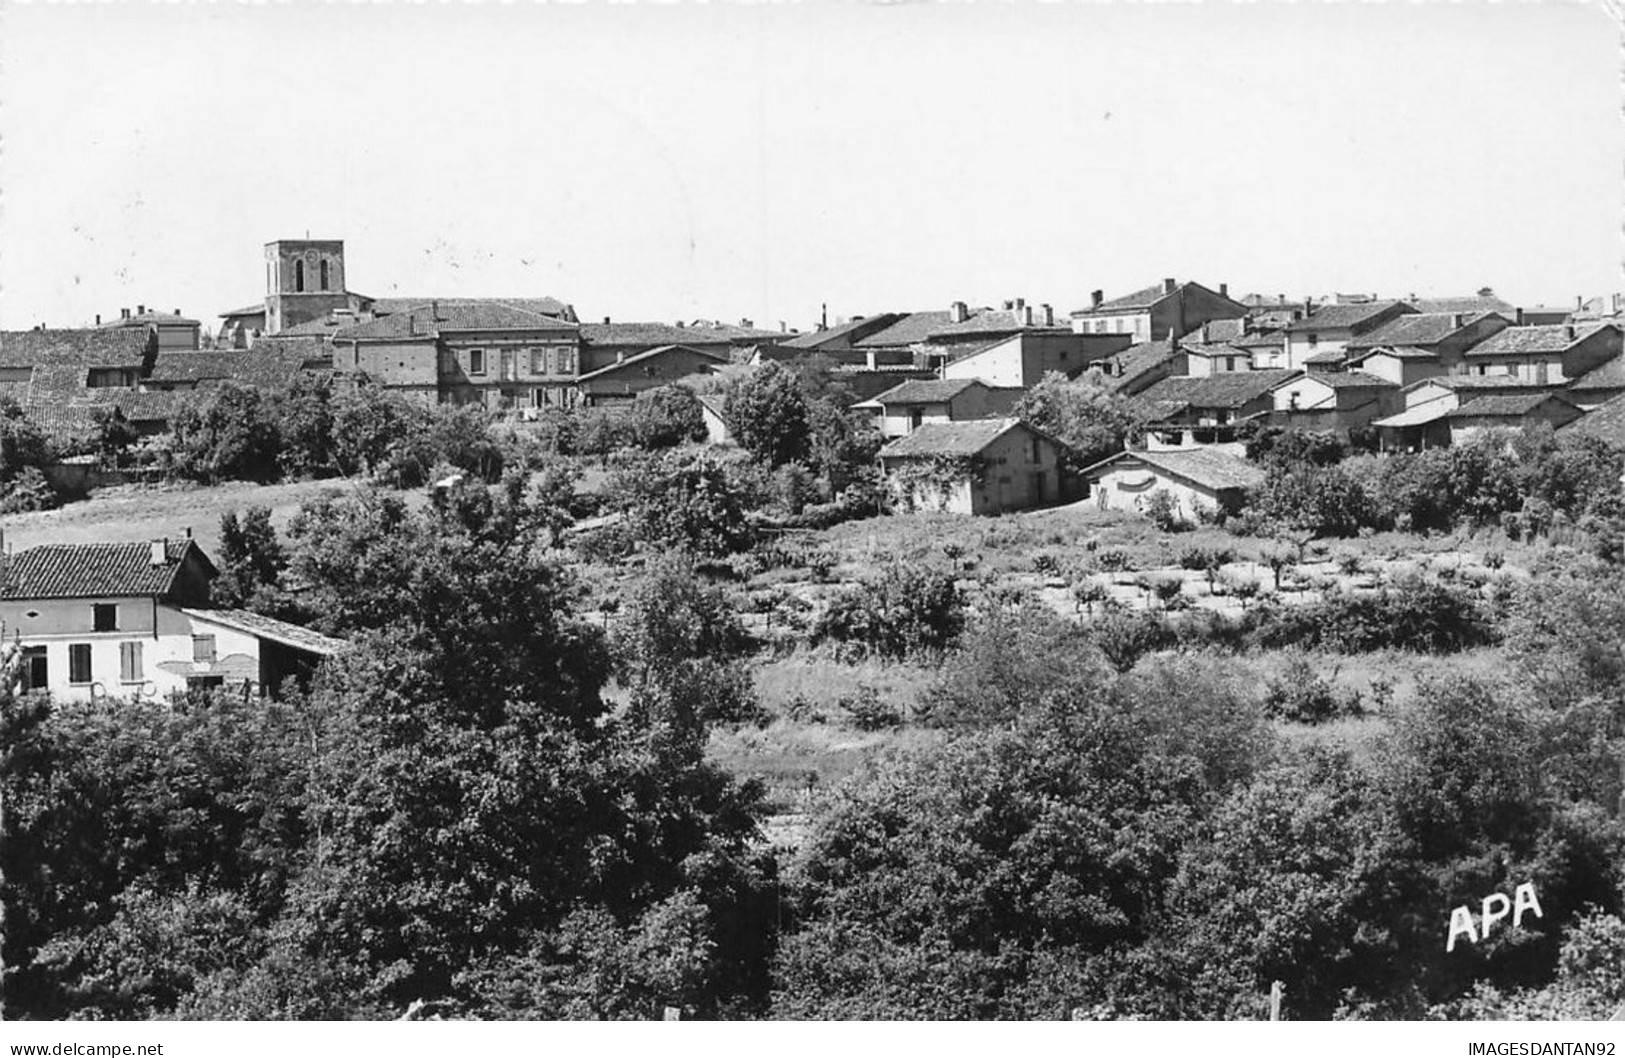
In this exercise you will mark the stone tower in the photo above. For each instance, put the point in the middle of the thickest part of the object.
(304, 280)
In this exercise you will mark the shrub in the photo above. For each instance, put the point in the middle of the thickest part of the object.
(868, 711)
(27, 491)
(907, 610)
(1302, 695)
(1124, 636)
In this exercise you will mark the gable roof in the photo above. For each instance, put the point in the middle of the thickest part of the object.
(1504, 405)
(998, 321)
(430, 321)
(953, 438)
(1342, 380)
(89, 347)
(1606, 422)
(1207, 467)
(1545, 338)
(142, 318)
(291, 635)
(1135, 362)
(77, 571)
(256, 309)
(259, 367)
(1610, 375)
(650, 354)
(1230, 389)
(1343, 317)
(1142, 300)
(1457, 382)
(1329, 356)
(1477, 303)
(64, 425)
(391, 305)
(1418, 328)
(1398, 352)
(912, 328)
(838, 334)
(925, 391)
(651, 334)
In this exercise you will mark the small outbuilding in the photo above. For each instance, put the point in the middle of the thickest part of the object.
(1195, 480)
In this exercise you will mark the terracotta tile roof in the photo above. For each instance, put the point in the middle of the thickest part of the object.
(1349, 380)
(950, 438)
(1330, 356)
(140, 318)
(1610, 375)
(78, 571)
(1547, 338)
(925, 391)
(429, 321)
(258, 308)
(1259, 340)
(90, 347)
(1343, 317)
(651, 334)
(64, 425)
(321, 327)
(313, 352)
(1606, 422)
(1399, 352)
(1207, 467)
(1420, 415)
(391, 305)
(1475, 304)
(649, 354)
(270, 368)
(1503, 405)
(815, 339)
(1140, 299)
(291, 635)
(1225, 331)
(1230, 389)
(1455, 382)
(1134, 363)
(995, 321)
(1421, 328)
(1212, 349)
(913, 327)
(138, 407)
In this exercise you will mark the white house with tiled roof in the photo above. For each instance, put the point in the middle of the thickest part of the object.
(133, 620)
(1195, 482)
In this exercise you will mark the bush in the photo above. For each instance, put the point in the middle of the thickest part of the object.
(1124, 636)
(27, 491)
(1302, 695)
(665, 417)
(907, 610)
(868, 711)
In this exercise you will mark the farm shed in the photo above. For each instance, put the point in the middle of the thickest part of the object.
(1196, 480)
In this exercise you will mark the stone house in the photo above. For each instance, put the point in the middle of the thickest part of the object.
(1207, 410)
(986, 466)
(1547, 355)
(619, 383)
(488, 353)
(1330, 328)
(1024, 359)
(1334, 400)
(1167, 309)
(176, 333)
(1508, 411)
(904, 408)
(1446, 336)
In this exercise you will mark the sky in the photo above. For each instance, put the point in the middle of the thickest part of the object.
(665, 161)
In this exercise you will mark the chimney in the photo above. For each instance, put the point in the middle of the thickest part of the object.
(680, 324)
(1518, 318)
(957, 312)
(1457, 319)
(1168, 286)
(98, 319)
(1095, 298)
(1021, 303)
(434, 310)
(606, 321)
(124, 314)
(1579, 303)
(1568, 332)
(177, 312)
(1224, 290)
(823, 316)
(158, 553)
(747, 324)
(784, 328)
(1204, 332)
(1047, 314)
(620, 354)
(1026, 315)
(140, 310)
(1009, 306)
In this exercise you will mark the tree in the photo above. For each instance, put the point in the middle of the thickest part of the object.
(251, 562)
(769, 415)
(226, 432)
(1092, 420)
(305, 427)
(683, 502)
(666, 416)
(369, 423)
